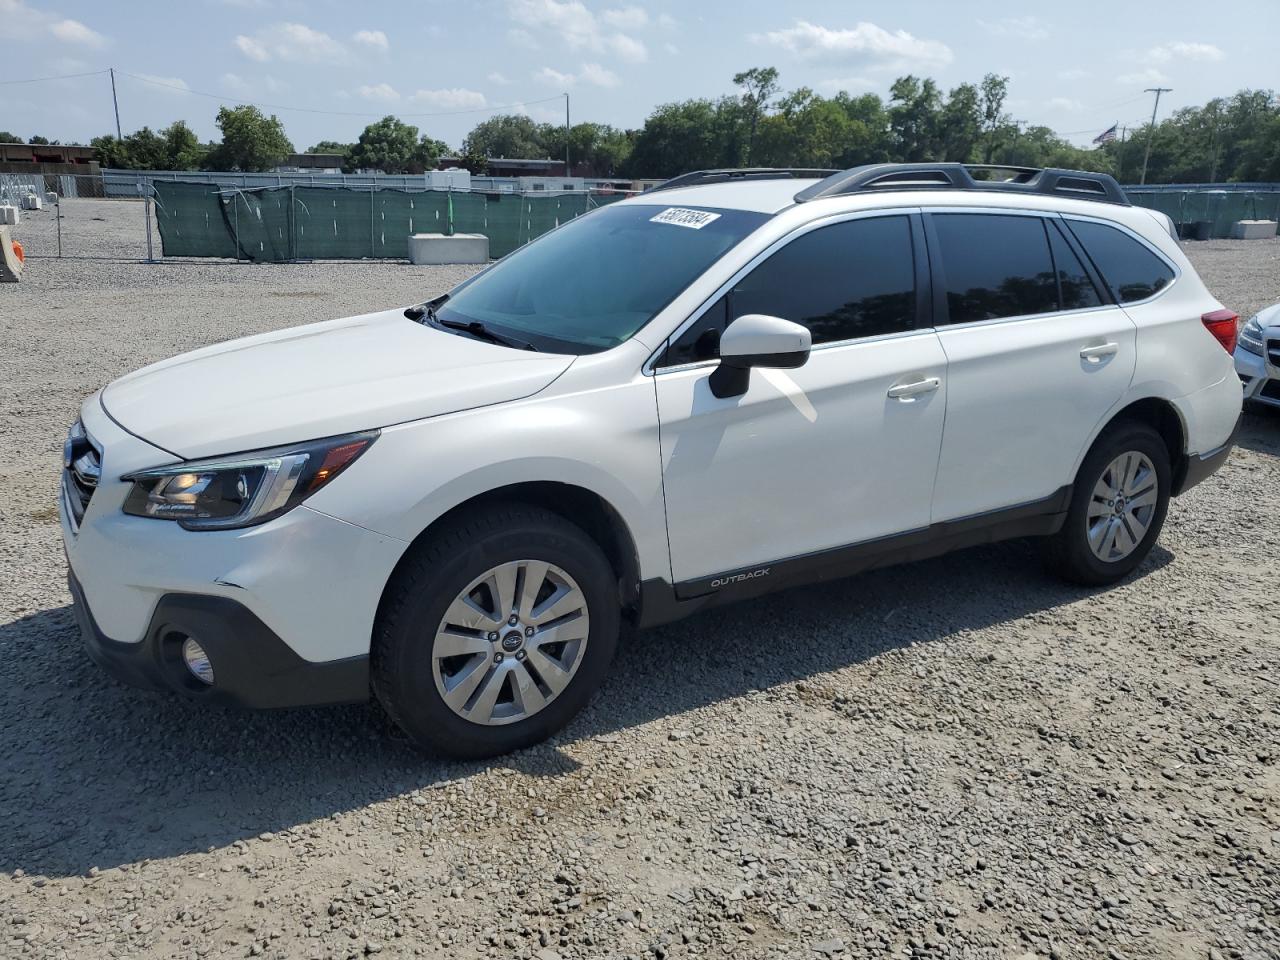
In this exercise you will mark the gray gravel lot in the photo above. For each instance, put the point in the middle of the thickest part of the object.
(959, 758)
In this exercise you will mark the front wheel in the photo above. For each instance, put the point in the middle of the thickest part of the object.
(495, 632)
(1118, 505)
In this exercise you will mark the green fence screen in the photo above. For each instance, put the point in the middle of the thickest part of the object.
(1220, 208)
(276, 224)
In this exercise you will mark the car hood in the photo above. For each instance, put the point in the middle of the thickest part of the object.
(319, 380)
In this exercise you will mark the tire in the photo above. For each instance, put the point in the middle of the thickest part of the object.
(1136, 520)
(438, 640)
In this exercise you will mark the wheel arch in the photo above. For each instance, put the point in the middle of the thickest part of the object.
(1163, 416)
(579, 505)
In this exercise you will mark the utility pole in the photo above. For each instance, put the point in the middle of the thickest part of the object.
(115, 103)
(566, 135)
(1120, 156)
(1151, 133)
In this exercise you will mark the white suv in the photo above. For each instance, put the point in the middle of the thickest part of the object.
(737, 382)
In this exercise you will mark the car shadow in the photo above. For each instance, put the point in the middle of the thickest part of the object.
(1260, 430)
(93, 773)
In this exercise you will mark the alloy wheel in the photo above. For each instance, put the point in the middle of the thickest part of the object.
(510, 642)
(1122, 506)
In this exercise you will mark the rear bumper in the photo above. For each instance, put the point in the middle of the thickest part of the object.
(1200, 466)
(252, 666)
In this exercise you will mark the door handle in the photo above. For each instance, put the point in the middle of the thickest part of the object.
(1099, 353)
(906, 391)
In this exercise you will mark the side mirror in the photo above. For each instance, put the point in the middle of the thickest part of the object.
(756, 340)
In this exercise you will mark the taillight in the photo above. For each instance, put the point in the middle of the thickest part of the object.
(1224, 325)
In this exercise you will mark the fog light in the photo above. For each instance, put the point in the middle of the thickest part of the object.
(197, 661)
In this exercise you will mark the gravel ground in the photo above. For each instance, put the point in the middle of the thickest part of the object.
(994, 766)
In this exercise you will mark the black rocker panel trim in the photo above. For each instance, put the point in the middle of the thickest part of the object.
(661, 602)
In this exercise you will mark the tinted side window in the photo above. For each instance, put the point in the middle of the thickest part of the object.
(851, 279)
(848, 280)
(1132, 271)
(1076, 289)
(995, 266)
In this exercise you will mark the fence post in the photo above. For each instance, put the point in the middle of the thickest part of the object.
(373, 246)
(57, 204)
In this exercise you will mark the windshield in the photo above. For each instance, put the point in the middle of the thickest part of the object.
(594, 282)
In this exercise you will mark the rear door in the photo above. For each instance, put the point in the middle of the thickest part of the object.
(1036, 354)
(838, 451)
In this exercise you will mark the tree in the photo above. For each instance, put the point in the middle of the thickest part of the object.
(39, 141)
(7, 137)
(601, 148)
(759, 86)
(512, 136)
(251, 141)
(183, 150)
(689, 135)
(961, 124)
(330, 146)
(393, 146)
(992, 93)
(914, 118)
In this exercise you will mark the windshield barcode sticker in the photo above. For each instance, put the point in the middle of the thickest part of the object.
(683, 217)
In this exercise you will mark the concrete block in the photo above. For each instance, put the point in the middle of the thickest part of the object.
(10, 265)
(51, 198)
(8, 216)
(438, 248)
(32, 202)
(1253, 229)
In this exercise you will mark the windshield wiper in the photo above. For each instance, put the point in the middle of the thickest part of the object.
(478, 329)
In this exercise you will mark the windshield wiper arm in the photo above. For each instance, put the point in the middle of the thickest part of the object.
(478, 329)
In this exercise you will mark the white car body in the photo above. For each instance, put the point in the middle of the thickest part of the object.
(1260, 371)
(708, 493)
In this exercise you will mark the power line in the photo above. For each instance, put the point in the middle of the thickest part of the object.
(334, 113)
(65, 76)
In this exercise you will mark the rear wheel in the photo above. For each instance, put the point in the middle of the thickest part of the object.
(1117, 509)
(495, 632)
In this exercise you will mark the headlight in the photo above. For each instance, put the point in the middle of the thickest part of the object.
(242, 490)
(1250, 337)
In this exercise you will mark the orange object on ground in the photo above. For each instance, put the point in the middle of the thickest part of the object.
(17, 252)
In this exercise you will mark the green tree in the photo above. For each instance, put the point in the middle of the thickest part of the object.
(330, 146)
(251, 141)
(993, 91)
(182, 148)
(512, 136)
(7, 137)
(914, 121)
(759, 86)
(689, 135)
(39, 141)
(602, 148)
(960, 126)
(390, 145)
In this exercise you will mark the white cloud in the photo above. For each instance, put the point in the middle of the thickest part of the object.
(73, 31)
(666, 21)
(373, 39)
(863, 42)
(243, 87)
(454, 98)
(1150, 75)
(166, 84)
(597, 75)
(381, 92)
(1020, 28)
(555, 78)
(578, 27)
(1181, 50)
(292, 43)
(626, 18)
(591, 73)
(498, 78)
(523, 38)
(1065, 103)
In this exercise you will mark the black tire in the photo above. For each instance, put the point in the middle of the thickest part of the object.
(428, 581)
(1068, 553)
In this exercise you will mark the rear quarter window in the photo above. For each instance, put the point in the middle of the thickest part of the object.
(1132, 270)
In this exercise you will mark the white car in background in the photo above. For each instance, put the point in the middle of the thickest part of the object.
(1258, 356)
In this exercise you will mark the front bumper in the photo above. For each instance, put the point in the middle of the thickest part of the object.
(1259, 379)
(252, 666)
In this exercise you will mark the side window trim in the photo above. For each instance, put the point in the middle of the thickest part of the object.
(1067, 218)
(1100, 284)
(651, 367)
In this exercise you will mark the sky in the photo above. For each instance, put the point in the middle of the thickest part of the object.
(328, 68)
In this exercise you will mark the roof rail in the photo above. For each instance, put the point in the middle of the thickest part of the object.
(1080, 184)
(700, 177)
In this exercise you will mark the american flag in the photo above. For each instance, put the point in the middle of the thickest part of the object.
(1107, 135)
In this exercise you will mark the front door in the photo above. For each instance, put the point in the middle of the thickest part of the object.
(839, 451)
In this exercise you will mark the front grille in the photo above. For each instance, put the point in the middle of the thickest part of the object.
(1273, 352)
(82, 467)
(1271, 390)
